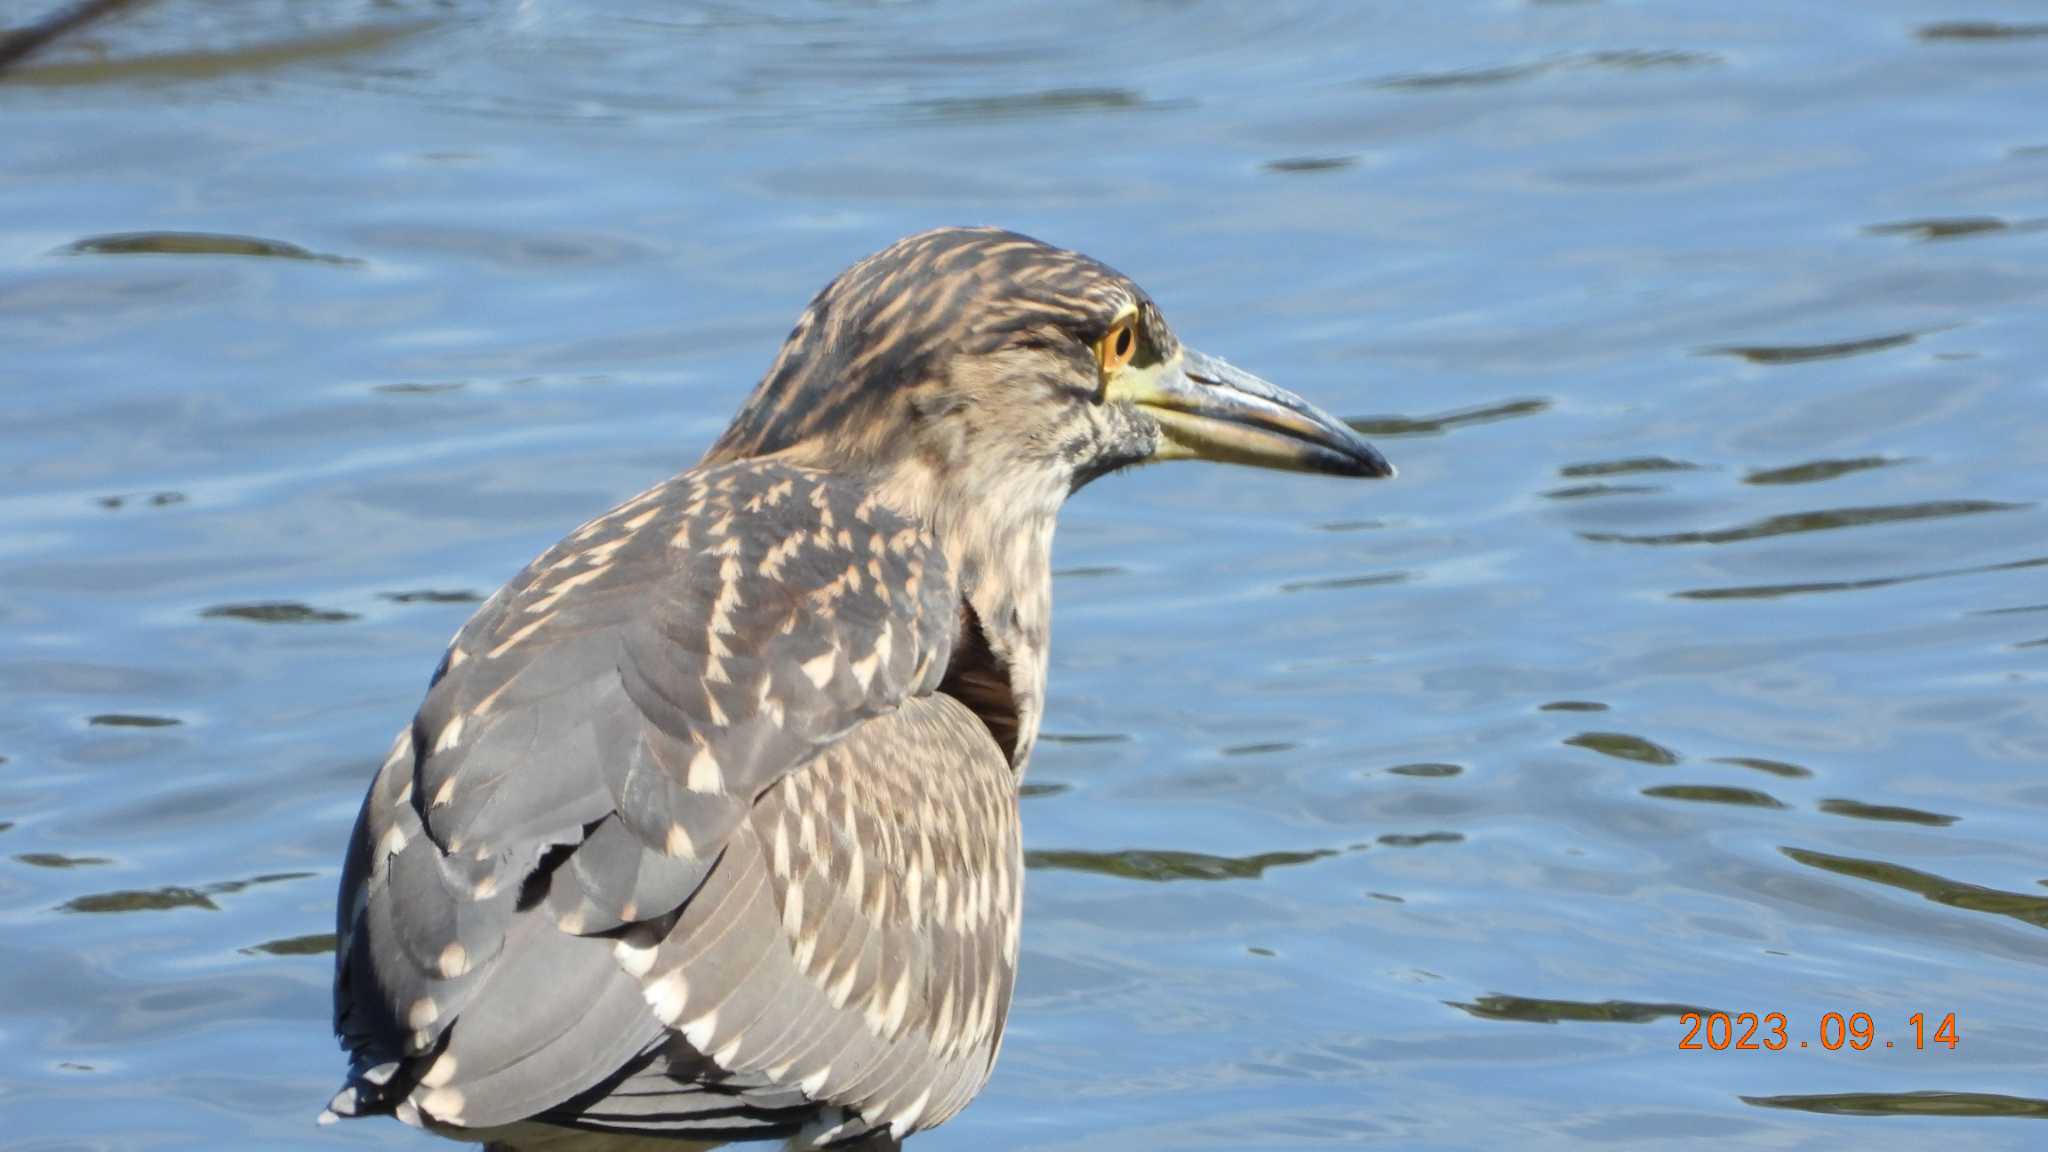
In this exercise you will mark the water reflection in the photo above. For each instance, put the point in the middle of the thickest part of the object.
(1826, 520)
(152, 499)
(1885, 813)
(1806, 353)
(131, 720)
(419, 387)
(1714, 794)
(1160, 866)
(1426, 771)
(198, 244)
(1939, 889)
(1774, 767)
(1981, 30)
(1808, 588)
(150, 900)
(173, 897)
(1587, 491)
(1622, 61)
(1623, 746)
(1627, 466)
(59, 860)
(200, 65)
(1951, 227)
(1260, 748)
(1530, 1010)
(1364, 580)
(1390, 427)
(1051, 102)
(312, 944)
(1907, 1104)
(277, 612)
(1817, 471)
(1418, 839)
(433, 596)
(1310, 164)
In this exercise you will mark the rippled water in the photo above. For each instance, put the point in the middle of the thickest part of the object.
(1696, 661)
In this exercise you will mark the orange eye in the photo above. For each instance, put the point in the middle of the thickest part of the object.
(1117, 346)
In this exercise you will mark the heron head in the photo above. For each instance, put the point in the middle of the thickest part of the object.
(983, 354)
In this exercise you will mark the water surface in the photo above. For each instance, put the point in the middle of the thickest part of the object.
(1696, 661)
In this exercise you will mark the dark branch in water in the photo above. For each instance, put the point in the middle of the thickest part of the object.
(24, 42)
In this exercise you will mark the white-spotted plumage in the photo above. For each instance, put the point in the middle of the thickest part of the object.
(717, 799)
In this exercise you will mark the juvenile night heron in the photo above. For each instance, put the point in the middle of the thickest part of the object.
(707, 827)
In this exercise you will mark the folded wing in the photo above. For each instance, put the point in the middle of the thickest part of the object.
(582, 792)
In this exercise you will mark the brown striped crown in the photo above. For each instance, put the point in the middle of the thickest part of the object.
(874, 347)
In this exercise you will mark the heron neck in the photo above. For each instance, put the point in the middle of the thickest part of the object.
(996, 532)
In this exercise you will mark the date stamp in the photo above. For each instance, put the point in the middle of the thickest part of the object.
(1772, 1032)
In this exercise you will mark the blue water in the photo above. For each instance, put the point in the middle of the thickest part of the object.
(1696, 660)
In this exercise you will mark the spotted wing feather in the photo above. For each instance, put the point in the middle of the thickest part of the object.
(592, 744)
(859, 939)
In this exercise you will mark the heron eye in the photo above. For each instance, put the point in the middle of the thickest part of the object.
(1117, 346)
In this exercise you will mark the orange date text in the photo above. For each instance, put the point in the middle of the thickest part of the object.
(1774, 1032)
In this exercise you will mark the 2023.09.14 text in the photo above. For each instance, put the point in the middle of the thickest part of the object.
(1773, 1032)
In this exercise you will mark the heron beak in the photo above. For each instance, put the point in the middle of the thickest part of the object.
(1209, 410)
